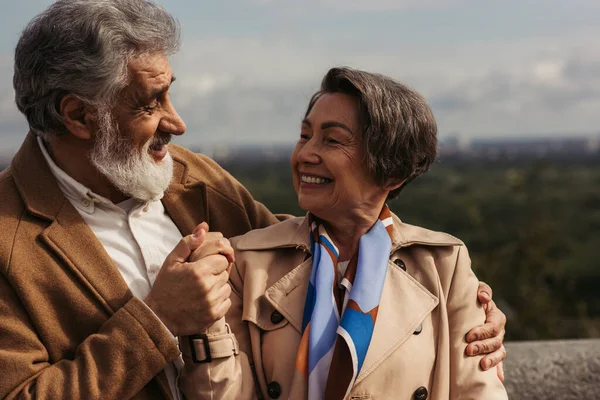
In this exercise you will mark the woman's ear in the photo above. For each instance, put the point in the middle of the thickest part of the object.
(78, 118)
(393, 184)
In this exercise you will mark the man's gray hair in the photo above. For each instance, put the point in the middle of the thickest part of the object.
(83, 47)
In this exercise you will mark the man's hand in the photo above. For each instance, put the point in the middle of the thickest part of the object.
(214, 243)
(190, 296)
(488, 338)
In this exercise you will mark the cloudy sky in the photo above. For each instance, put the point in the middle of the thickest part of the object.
(246, 69)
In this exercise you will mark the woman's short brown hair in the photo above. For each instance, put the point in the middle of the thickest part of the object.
(399, 132)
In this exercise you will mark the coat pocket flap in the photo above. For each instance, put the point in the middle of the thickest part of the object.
(266, 316)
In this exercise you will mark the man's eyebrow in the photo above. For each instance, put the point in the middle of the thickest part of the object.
(158, 91)
(306, 122)
(334, 124)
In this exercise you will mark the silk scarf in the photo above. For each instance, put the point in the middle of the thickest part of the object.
(337, 328)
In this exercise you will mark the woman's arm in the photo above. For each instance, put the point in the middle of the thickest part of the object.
(467, 380)
(229, 375)
(488, 339)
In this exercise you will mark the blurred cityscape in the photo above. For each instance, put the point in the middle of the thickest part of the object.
(461, 147)
(453, 147)
(495, 149)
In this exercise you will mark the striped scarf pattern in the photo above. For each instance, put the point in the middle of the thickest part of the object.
(336, 330)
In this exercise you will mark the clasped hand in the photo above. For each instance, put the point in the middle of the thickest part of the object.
(191, 290)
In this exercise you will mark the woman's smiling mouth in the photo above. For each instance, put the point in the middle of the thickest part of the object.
(315, 180)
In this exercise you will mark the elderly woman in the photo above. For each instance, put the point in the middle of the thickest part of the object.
(348, 302)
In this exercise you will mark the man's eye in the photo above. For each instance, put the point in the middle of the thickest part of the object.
(150, 107)
(304, 136)
(332, 141)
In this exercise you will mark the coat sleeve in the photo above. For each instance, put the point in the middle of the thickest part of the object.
(116, 362)
(228, 378)
(467, 379)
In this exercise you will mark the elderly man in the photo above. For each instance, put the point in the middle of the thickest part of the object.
(99, 214)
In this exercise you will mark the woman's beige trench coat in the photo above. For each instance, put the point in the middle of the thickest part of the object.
(428, 305)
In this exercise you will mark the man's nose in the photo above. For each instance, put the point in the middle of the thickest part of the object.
(172, 122)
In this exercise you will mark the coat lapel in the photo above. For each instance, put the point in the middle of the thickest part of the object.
(67, 235)
(72, 240)
(403, 306)
(404, 301)
(185, 204)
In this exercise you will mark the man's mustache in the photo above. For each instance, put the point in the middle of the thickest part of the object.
(160, 140)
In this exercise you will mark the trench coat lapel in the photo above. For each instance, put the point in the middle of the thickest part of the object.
(403, 306)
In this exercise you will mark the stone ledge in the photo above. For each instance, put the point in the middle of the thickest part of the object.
(557, 370)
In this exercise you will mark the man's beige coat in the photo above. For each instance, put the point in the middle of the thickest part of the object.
(418, 346)
(69, 326)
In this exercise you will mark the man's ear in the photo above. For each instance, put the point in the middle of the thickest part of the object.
(393, 184)
(78, 118)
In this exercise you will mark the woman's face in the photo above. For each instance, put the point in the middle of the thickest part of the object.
(328, 168)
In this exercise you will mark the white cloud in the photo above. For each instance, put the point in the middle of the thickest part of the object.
(11, 120)
(206, 84)
(248, 61)
(6, 90)
(550, 72)
(387, 5)
(349, 6)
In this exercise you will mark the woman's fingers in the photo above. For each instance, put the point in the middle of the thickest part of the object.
(211, 247)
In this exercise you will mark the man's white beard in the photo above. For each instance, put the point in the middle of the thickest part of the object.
(132, 170)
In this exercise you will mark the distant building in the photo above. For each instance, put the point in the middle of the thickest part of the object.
(248, 153)
(593, 144)
(506, 148)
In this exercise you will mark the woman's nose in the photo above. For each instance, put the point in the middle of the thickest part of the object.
(309, 153)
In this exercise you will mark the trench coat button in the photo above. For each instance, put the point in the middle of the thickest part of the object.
(400, 263)
(274, 390)
(418, 330)
(276, 317)
(421, 393)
